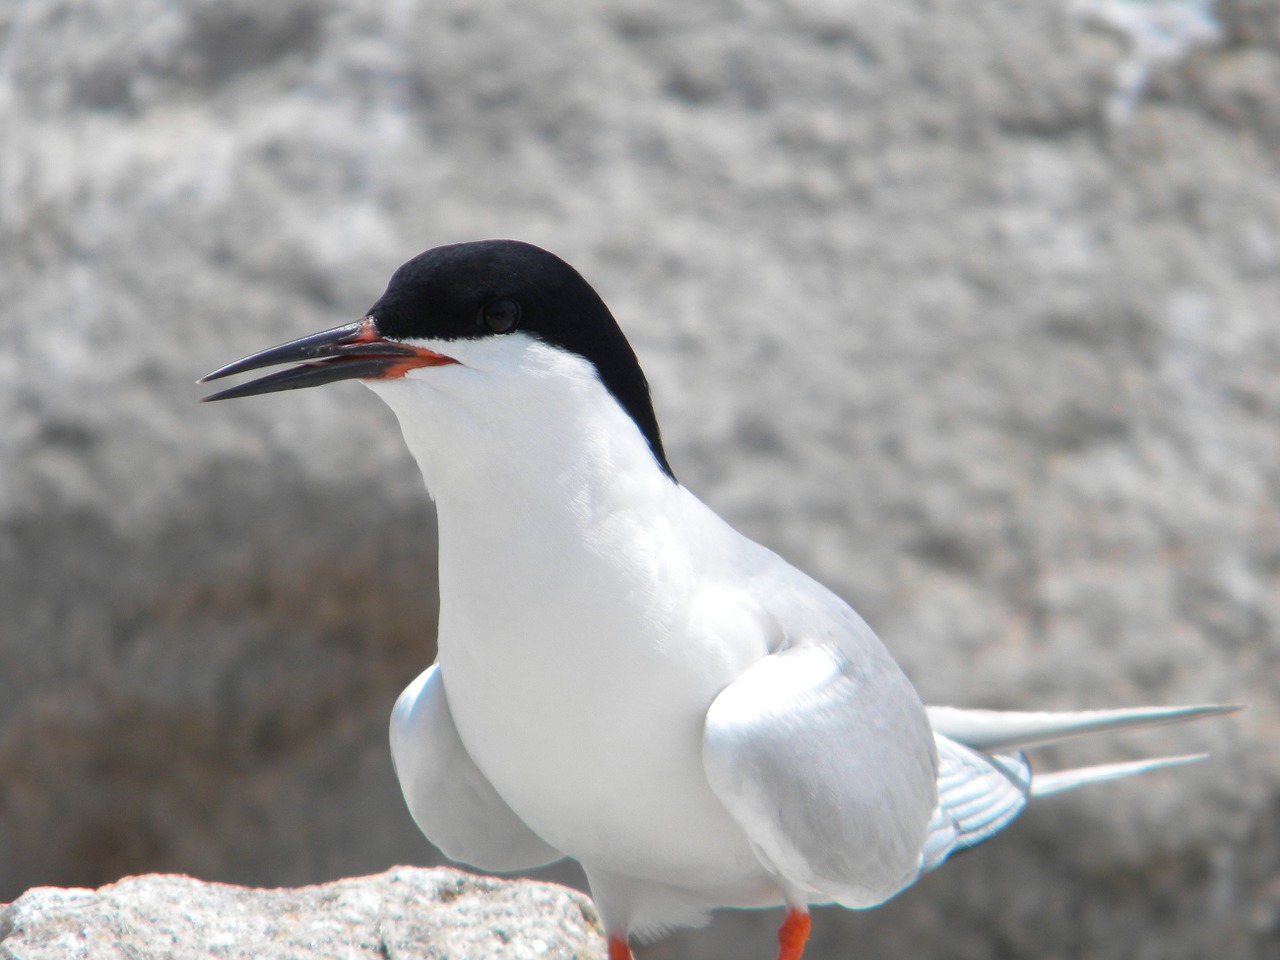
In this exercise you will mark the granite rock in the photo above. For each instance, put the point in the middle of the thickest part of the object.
(402, 913)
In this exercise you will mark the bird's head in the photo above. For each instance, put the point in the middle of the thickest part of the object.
(472, 315)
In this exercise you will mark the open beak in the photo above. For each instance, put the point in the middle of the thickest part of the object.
(351, 351)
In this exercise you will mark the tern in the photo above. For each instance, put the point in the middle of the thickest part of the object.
(622, 678)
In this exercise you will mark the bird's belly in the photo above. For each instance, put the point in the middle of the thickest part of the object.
(602, 763)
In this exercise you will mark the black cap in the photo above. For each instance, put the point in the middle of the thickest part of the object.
(490, 288)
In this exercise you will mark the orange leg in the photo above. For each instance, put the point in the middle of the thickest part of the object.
(618, 949)
(791, 935)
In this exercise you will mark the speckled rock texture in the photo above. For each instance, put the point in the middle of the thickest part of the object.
(407, 912)
(970, 308)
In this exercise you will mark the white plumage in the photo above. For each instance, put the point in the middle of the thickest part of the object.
(651, 693)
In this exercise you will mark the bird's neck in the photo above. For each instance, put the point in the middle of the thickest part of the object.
(536, 480)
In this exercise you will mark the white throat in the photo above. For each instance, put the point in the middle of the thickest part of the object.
(517, 425)
(549, 502)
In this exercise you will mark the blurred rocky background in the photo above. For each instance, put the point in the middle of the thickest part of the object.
(971, 308)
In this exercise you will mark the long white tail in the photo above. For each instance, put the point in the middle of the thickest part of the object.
(1044, 784)
(993, 730)
(985, 780)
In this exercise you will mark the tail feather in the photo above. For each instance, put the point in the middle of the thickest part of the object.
(985, 781)
(1059, 781)
(993, 730)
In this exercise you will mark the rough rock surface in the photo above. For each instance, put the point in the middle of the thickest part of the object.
(918, 310)
(407, 912)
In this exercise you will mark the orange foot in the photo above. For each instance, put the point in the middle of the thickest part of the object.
(791, 935)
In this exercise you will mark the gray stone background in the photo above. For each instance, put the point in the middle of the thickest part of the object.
(969, 307)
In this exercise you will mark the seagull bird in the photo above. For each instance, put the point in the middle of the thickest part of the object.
(622, 677)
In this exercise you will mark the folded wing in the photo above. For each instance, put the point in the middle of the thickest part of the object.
(828, 766)
(978, 796)
(452, 802)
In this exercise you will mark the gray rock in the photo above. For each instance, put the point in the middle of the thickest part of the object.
(916, 314)
(403, 913)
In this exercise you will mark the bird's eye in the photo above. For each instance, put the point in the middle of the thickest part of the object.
(500, 316)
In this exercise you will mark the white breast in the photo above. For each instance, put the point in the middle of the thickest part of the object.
(579, 649)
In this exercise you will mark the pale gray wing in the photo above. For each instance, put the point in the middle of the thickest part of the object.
(452, 802)
(979, 795)
(828, 765)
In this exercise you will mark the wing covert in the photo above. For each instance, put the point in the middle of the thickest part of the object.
(829, 767)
